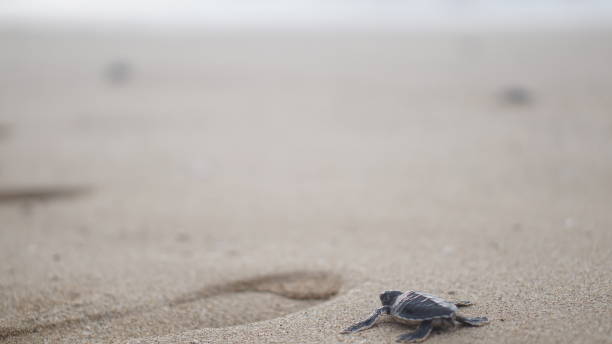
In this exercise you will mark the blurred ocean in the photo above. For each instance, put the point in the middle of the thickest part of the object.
(309, 15)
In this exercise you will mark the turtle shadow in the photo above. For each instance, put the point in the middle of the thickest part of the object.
(393, 329)
(221, 305)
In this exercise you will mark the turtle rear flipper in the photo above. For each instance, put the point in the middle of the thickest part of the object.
(369, 322)
(421, 333)
(463, 303)
(477, 321)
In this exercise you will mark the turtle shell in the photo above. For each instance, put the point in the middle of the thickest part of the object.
(418, 306)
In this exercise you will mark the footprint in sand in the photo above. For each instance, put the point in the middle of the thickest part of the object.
(259, 298)
(238, 302)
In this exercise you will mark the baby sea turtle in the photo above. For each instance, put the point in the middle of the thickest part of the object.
(415, 307)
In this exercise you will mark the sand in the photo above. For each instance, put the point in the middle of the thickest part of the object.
(264, 188)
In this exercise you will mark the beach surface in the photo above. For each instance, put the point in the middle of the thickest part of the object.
(265, 188)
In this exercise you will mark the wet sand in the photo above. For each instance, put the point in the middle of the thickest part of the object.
(265, 188)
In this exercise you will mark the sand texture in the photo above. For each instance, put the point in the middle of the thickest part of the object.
(265, 188)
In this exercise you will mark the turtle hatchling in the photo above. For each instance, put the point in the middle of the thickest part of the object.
(417, 308)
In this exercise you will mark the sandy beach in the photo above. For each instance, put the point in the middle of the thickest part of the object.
(265, 188)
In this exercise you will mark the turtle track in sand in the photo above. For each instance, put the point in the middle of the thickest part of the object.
(220, 305)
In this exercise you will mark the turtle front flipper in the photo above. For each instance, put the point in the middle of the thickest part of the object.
(421, 333)
(477, 321)
(463, 303)
(369, 322)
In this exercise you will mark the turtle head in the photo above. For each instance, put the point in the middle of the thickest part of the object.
(388, 297)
